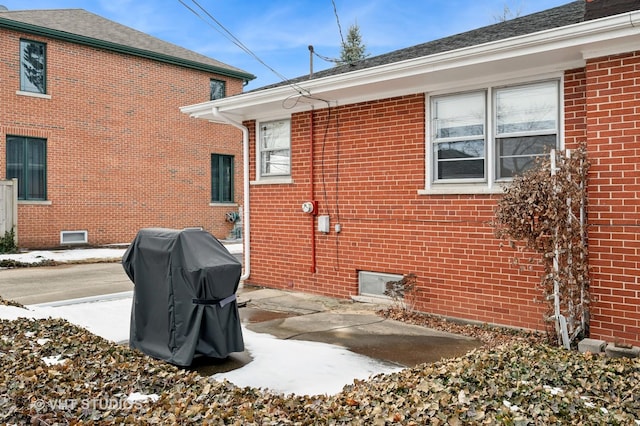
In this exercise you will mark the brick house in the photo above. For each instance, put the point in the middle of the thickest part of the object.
(91, 127)
(403, 156)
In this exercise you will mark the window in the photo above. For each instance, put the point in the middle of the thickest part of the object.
(275, 148)
(33, 67)
(218, 89)
(526, 125)
(27, 161)
(492, 134)
(459, 139)
(221, 178)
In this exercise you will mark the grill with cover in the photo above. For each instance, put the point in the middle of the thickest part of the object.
(184, 298)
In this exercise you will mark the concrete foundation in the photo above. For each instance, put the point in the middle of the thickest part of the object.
(591, 345)
(614, 351)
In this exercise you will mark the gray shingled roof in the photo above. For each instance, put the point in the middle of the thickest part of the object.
(89, 26)
(570, 13)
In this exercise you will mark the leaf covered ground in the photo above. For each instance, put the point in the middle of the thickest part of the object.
(56, 373)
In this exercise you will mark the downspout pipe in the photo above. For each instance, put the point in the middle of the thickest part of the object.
(245, 210)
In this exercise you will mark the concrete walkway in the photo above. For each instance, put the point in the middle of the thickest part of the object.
(350, 324)
(284, 314)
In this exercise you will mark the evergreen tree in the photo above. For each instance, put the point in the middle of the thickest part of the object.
(508, 13)
(353, 50)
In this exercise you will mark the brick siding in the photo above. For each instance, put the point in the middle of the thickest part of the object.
(613, 132)
(120, 154)
(387, 227)
(366, 175)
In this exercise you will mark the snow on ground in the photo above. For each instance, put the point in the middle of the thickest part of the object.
(109, 318)
(37, 256)
(285, 366)
(301, 367)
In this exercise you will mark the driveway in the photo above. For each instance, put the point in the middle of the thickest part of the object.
(44, 284)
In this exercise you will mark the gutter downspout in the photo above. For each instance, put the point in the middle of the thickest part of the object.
(245, 210)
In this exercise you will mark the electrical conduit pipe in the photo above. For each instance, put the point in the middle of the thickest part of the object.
(313, 216)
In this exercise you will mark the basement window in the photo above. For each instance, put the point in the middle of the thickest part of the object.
(375, 283)
(74, 237)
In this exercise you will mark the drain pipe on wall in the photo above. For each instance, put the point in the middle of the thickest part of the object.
(311, 194)
(245, 209)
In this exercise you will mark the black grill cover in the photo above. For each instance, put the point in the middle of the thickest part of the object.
(184, 303)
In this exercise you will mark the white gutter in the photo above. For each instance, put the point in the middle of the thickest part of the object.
(245, 209)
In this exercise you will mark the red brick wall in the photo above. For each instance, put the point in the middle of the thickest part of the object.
(120, 154)
(366, 175)
(386, 226)
(613, 131)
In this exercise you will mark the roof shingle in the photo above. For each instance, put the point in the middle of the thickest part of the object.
(79, 22)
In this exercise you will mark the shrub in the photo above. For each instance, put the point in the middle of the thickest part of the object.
(8, 242)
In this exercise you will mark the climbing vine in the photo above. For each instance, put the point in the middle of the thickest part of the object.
(544, 210)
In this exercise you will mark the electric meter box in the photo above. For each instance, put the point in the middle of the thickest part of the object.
(323, 224)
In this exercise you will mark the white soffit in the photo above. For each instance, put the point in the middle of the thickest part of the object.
(533, 54)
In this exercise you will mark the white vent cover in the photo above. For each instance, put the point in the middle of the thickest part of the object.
(73, 237)
(374, 283)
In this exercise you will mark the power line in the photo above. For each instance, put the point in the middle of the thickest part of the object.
(326, 58)
(232, 38)
(335, 12)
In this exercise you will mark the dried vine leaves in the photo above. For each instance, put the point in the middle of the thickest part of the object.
(545, 211)
(517, 384)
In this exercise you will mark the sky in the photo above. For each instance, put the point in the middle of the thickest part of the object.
(108, 316)
(279, 32)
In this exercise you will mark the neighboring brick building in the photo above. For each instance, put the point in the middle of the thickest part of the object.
(91, 126)
(406, 152)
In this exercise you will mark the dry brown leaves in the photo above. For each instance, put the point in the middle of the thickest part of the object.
(519, 383)
(490, 336)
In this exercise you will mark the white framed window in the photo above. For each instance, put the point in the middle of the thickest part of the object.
(478, 138)
(274, 149)
(459, 135)
(526, 125)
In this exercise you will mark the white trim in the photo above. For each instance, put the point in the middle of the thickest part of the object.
(554, 49)
(33, 94)
(462, 189)
(223, 204)
(35, 202)
(273, 180)
(489, 184)
(277, 178)
(83, 233)
(245, 209)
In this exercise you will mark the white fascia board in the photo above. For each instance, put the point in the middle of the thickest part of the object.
(604, 30)
(559, 48)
